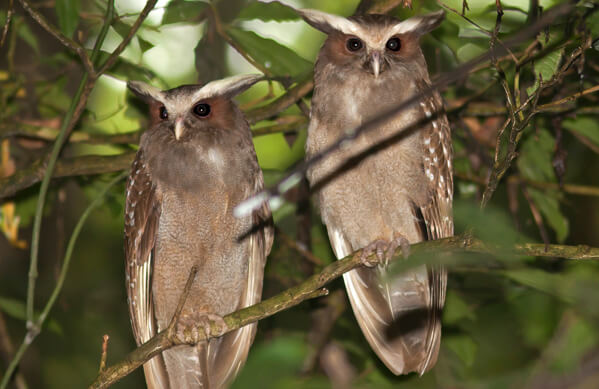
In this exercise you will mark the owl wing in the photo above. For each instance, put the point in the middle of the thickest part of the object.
(437, 211)
(142, 214)
(229, 355)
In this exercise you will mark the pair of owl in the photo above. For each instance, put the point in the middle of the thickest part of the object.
(197, 162)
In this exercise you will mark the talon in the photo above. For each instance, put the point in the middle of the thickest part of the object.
(379, 247)
(189, 325)
(398, 241)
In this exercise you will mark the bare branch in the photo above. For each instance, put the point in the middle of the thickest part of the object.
(67, 167)
(66, 41)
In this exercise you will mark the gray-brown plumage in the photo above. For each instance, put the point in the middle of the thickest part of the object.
(401, 189)
(194, 165)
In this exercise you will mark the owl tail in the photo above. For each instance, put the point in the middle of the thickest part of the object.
(400, 316)
(201, 367)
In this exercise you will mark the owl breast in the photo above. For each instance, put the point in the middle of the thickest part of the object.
(199, 185)
(369, 187)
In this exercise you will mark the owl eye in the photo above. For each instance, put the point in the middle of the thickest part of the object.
(202, 109)
(354, 44)
(393, 44)
(163, 113)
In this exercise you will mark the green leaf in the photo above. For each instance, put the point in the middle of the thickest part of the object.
(535, 163)
(580, 337)
(546, 67)
(586, 126)
(456, 309)
(549, 206)
(276, 58)
(283, 356)
(179, 11)
(267, 12)
(463, 346)
(16, 309)
(68, 15)
(28, 36)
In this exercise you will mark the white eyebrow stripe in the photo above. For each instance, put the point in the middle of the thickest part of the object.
(408, 25)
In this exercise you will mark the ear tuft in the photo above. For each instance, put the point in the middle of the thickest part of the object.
(228, 87)
(420, 25)
(144, 91)
(328, 23)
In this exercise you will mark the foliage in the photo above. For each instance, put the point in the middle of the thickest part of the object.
(526, 135)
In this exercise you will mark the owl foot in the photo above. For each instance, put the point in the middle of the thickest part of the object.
(384, 250)
(190, 325)
(398, 241)
(378, 247)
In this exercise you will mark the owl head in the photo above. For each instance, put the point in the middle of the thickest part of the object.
(372, 43)
(194, 106)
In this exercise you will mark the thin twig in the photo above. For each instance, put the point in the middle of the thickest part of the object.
(33, 329)
(132, 31)
(66, 41)
(9, 13)
(104, 356)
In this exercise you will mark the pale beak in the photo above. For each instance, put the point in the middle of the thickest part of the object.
(178, 128)
(375, 62)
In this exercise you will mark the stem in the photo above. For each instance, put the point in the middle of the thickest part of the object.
(58, 288)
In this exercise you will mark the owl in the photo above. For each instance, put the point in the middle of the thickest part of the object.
(389, 186)
(194, 164)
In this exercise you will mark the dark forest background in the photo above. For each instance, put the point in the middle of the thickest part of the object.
(526, 139)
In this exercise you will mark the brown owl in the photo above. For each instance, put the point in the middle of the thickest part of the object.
(194, 165)
(389, 186)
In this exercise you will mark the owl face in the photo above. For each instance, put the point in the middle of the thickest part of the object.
(190, 108)
(373, 44)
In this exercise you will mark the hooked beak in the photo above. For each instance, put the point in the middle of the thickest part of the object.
(178, 128)
(375, 63)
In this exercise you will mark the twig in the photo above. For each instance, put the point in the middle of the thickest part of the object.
(6, 351)
(105, 339)
(581, 190)
(297, 247)
(66, 41)
(67, 167)
(132, 31)
(34, 327)
(519, 122)
(9, 13)
(281, 103)
(565, 100)
(536, 214)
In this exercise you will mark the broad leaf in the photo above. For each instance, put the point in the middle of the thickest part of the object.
(68, 15)
(276, 58)
(267, 12)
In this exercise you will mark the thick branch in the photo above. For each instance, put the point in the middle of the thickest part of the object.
(312, 287)
(66, 167)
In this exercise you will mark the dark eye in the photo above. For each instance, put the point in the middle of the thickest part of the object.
(163, 113)
(354, 44)
(201, 109)
(394, 44)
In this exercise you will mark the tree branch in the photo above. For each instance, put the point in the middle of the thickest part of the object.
(312, 288)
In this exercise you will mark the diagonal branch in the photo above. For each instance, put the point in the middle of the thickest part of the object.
(64, 40)
(312, 288)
